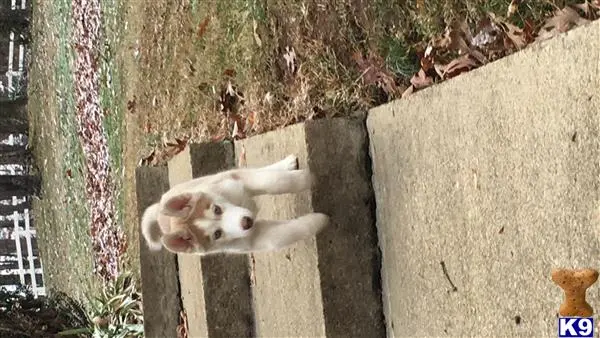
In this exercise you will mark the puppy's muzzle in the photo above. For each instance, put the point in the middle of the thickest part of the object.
(247, 223)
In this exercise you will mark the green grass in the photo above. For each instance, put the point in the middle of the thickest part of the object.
(62, 214)
(111, 97)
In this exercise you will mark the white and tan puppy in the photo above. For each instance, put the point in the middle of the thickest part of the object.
(216, 213)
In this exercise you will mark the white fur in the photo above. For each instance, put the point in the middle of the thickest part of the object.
(208, 214)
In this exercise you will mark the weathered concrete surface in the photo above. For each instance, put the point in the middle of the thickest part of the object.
(215, 289)
(328, 286)
(226, 278)
(349, 256)
(160, 287)
(190, 270)
(287, 295)
(494, 173)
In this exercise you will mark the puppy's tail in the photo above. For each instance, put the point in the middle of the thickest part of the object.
(150, 227)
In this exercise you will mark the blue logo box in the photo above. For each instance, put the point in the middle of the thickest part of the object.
(575, 327)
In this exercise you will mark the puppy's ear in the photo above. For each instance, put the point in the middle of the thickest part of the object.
(183, 205)
(180, 241)
(179, 206)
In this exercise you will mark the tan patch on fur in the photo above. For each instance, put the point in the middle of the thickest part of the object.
(200, 235)
(170, 224)
(200, 208)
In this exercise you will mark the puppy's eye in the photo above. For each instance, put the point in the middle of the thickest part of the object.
(217, 210)
(218, 234)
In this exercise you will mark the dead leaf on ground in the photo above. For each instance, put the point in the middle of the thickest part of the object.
(202, 27)
(408, 91)
(131, 105)
(374, 72)
(529, 31)
(255, 33)
(420, 6)
(562, 21)
(147, 160)
(182, 328)
(461, 64)
(229, 72)
(251, 122)
(591, 10)
(513, 8)
(421, 80)
(290, 59)
(426, 60)
(453, 39)
(242, 163)
(230, 98)
(488, 33)
(514, 34)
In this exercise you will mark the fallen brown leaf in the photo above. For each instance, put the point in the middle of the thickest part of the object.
(182, 328)
(514, 34)
(242, 163)
(513, 8)
(229, 72)
(562, 21)
(131, 105)
(591, 10)
(461, 64)
(529, 31)
(203, 26)
(421, 80)
(408, 91)
(230, 98)
(453, 39)
(374, 72)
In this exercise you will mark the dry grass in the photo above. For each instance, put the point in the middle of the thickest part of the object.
(189, 50)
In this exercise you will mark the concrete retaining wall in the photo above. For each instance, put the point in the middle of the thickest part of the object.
(495, 173)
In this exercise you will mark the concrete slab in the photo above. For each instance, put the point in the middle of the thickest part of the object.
(215, 289)
(328, 286)
(287, 295)
(189, 267)
(160, 287)
(495, 173)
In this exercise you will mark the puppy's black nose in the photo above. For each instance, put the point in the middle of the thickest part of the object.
(247, 222)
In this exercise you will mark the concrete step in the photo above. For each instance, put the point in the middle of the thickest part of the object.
(160, 282)
(328, 286)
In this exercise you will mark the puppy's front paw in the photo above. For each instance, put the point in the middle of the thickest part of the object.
(290, 163)
(304, 180)
(317, 221)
